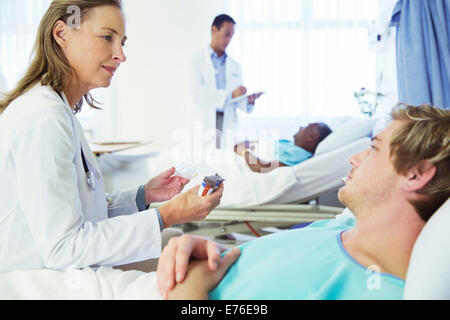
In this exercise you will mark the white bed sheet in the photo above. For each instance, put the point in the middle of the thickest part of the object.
(86, 284)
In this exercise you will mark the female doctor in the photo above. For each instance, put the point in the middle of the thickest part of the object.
(53, 209)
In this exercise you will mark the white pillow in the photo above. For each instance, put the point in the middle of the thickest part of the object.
(346, 133)
(428, 274)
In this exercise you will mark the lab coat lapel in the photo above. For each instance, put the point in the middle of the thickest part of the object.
(97, 197)
(209, 67)
(93, 202)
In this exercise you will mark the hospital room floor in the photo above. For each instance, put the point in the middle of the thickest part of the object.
(229, 240)
(217, 232)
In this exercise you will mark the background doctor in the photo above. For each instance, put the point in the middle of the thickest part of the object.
(54, 212)
(216, 78)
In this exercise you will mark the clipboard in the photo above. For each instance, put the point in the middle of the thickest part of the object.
(243, 97)
(238, 99)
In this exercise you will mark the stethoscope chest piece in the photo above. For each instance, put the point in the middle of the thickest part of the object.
(90, 179)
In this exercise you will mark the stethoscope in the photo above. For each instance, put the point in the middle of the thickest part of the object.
(90, 176)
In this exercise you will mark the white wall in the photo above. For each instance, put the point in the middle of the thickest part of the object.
(151, 91)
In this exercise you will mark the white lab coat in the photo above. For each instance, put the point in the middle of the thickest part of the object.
(49, 218)
(207, 98)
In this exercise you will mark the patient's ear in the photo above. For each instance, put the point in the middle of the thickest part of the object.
(314, 135)
(419, 176)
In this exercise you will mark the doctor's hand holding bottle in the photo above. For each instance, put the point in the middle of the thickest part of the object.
(189, 206)
(185, 207)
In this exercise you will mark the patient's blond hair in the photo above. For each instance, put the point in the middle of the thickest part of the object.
(49, 64)
(424, 136)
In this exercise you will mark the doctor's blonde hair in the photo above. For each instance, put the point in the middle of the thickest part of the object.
(425, 136)
(49, 64)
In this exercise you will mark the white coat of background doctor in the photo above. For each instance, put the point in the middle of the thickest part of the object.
(212, 91)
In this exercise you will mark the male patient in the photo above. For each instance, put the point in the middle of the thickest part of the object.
(288, 152)
(393, 188)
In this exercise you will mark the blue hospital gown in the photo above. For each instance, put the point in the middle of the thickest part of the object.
(287, 152)
(308, 263)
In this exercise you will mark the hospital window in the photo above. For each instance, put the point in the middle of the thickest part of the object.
(310, 56)
(19, 21)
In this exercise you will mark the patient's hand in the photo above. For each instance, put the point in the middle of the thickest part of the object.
(241, 146)
(200, 280)
(174, 260)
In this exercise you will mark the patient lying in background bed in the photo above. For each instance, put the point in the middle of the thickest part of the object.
(287, 152)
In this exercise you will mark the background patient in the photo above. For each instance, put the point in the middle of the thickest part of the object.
(393, 188)
(287, 152)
